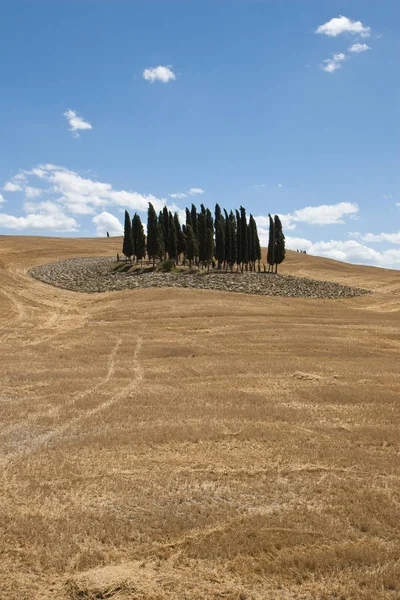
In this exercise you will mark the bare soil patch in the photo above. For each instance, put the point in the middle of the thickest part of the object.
(172, 443)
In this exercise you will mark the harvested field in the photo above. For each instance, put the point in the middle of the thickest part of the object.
(96, 275)
(166, 443)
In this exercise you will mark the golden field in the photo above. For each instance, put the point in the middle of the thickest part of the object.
(189, 444)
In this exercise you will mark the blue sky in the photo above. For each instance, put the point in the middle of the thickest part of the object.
(288, 107)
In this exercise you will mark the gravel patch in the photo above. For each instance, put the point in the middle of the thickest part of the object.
(94, 275)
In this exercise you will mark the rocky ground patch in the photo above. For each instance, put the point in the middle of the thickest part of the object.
(93, 275)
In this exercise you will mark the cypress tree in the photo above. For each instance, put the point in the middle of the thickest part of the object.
(160, 242)
(140, 245)
(188, 218)
(135, 232)
(166, 222)
(238, 239)
(194, 219)
(228, 242)
(280, 250)
(271, 245)
(209, 219)
(152, 249)
(180, 237)
(210, 246)
(244, 237)
(172, 240)
(217, 216)
(220, 241)
(202, 237)
(233, 236)
(127, 245)
(191, 251)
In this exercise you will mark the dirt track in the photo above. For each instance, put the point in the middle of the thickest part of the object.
(176, 443)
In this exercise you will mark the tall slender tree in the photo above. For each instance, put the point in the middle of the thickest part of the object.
(280, 251)
(238, 239)
(140, 244)
(172, 246)
(202, 238)
(135, 232)
(244, 237)
(191, 250)
(127, 245)
(188, 218)
(220, 242)
(271, 245)
(160, 242)
(227, 236)
(193, 214)
(210, 246)
(152, 249)
(180, 237)
(233, 235)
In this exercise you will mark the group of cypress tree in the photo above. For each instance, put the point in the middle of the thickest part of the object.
(223, 240)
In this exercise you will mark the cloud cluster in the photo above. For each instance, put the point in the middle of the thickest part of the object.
(46, 216)
(335, 62)
(76, 123)
(324, 214)
(160, 73)
(190, 192)
(75, 195)
(340, 25)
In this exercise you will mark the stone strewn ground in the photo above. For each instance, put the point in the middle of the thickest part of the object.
(95, 275)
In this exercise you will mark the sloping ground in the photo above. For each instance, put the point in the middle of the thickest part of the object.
(177, 443)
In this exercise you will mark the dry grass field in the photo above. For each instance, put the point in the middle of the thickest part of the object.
(172, 443)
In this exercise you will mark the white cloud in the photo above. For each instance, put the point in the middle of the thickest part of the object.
(330, 65)
(191, 192)
(325, 214)
(393, 238)
(1, 199)
(12, 187)
(340, 25)
(46, 215)
(160, 73)
(76, 123)
(178, 195)
(349, 251)
(31, 192)
(397, 203)
(280, 185)
(104, 222)
(357, 48)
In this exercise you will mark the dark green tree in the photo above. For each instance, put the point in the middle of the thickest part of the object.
(238, 239)
(160, 242)
(244, 237)
(188, 218)
(233, 236)
(202, 238)
(227, 237)
(152, 249)
(140, 245)
(220, 242)
(135, 231)
(127, 245)
(172, 246)
(194, 219)
(180, 237)
(271, 245)
(210, 247)
(191, 245)
(280, 250)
